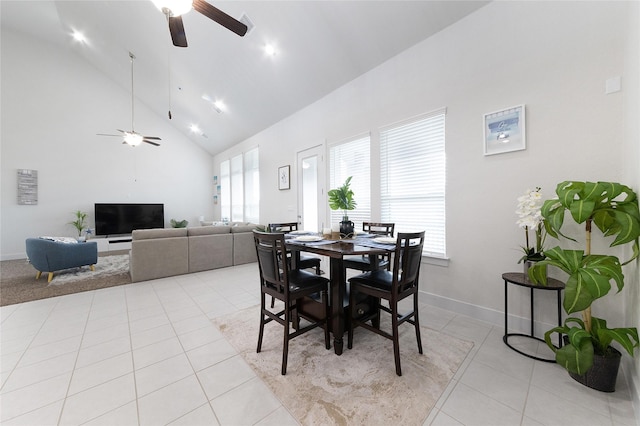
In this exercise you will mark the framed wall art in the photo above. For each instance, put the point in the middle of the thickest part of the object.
(504, 131)
(283, 177)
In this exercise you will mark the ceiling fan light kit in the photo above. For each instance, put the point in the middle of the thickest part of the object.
(174, 9)
(133, 138)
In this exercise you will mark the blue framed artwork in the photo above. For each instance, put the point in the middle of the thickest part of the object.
(504, 131)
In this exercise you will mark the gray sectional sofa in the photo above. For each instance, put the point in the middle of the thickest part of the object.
(158, 253)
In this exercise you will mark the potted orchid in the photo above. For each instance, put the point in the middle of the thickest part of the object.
(530, 218)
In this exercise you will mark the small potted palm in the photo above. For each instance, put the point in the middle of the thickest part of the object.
(341, 198)
(79, 223)
(588, 354)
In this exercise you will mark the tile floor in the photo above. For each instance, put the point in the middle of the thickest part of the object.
(147, 354)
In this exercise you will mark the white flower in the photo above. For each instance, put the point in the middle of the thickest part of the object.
(528, 210)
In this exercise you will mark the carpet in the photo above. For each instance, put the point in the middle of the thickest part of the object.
(18, 283)
(360, 386)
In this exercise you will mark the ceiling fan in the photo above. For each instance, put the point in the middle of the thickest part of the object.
(132, 137)
(173, 9)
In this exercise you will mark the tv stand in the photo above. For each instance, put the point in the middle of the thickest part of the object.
(108, 244)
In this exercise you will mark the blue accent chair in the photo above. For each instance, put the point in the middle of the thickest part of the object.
(50, 256)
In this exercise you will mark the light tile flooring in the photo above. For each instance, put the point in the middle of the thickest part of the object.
(147, 354)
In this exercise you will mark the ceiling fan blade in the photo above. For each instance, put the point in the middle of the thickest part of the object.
(155, 138)
(104, 134)
(220, 17)
(121, 131)
(152, 143)
(176, 28)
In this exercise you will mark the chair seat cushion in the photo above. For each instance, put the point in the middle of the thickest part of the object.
(380, 278)
(362, 263)
(300, 280)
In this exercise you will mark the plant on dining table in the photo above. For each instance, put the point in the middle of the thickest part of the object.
(530, 218)
(341, 198)
(613, 209)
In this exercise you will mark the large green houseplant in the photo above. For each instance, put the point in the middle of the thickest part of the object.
(341, 198)
(613, 209)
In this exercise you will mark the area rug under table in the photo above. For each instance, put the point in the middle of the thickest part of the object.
(360, 386)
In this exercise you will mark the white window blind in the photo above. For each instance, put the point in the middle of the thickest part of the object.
(352, 158)
(225, 190)
(251, 186)
(412, 159)
(237, 189)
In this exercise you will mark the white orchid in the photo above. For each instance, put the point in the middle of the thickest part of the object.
(530, 217)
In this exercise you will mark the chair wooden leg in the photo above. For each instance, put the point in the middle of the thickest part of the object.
(50, 277)
(273, 302)
(351, 311)
(396, 342)
(92, 267)
(327, 317)
(261, 332)
(38, 275)
(416, 319)
(285, 346)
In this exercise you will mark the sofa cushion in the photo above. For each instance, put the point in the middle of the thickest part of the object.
(145, 234)
(210, 251)
(208, 230)
(243, 228)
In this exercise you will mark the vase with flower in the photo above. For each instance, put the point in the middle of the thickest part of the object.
(530, 219)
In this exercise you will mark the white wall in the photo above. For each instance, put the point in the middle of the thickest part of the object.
(552, 56)
(53, 104)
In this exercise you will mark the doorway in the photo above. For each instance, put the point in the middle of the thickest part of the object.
(312, 212)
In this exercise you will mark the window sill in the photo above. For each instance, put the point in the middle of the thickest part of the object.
(436, 261)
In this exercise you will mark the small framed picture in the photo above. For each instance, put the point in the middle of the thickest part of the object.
(283, 177)
(504, 131)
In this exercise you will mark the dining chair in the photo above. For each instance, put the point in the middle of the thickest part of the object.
(306, 261)
(280, 282)
(363, 263)
(393, 286)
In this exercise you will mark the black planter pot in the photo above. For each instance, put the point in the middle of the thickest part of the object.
(346, 228)
(604, 372)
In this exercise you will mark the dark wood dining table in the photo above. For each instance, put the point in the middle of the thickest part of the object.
(336, 250)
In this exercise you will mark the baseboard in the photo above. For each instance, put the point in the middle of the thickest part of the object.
(516, 323)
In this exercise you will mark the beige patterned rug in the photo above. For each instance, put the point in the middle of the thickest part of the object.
(360, 386)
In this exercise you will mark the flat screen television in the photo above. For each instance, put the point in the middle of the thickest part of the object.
(119, 218)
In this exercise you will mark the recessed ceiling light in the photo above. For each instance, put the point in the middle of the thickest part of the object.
(270, 49)
(78, 36)
(219, 106)
(195, 129)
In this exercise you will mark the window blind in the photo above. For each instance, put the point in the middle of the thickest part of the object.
(251, 186)
(225, 190)
(413, 177)
(237, 189)
(352, 158)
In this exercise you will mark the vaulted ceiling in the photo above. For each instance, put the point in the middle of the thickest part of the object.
(320, 46)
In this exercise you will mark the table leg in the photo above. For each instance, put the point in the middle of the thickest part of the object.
(559, 319)
(337, 299)
(531, 303)
(506, 314)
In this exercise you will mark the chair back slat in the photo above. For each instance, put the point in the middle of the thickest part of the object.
(385, 229)
(283, 227)
(407, 260)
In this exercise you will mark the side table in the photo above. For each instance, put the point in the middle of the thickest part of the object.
(518, 278)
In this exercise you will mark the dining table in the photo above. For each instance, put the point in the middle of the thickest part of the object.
(336, 249)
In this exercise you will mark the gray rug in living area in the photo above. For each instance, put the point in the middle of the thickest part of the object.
(360, 386)
(18, 283)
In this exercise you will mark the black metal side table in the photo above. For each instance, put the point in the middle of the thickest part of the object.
(521, 279)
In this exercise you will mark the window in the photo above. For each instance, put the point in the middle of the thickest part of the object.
(251, 186)
(240, 188)
(412, 161)
(352, 158)
(225, 191)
